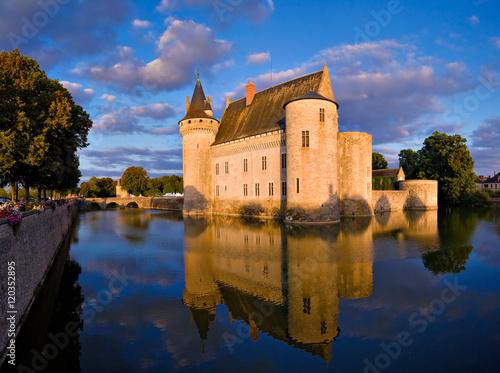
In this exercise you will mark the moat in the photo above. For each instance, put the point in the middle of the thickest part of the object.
(149, 291)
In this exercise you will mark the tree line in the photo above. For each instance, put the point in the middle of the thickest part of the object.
(41, 129)
(444, 158)
(135, 180)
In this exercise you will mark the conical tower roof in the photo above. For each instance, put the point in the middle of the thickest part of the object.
(197, 106)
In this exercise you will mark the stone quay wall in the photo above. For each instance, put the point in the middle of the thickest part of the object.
(32, 248)
(389, 200)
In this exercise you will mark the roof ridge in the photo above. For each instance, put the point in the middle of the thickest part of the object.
(277, 85)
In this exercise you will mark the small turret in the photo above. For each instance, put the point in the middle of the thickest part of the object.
(198, 129)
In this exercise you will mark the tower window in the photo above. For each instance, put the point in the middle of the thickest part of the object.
(226, 167)
(216, 168)
(257, 189)
(322, 115)
(283, 188)
(189, 122)
(201, 120)
(298, 185)
(245, 165)
(283, 160)
(264, 163)
(245, 190)
(305, 139)
(197, 146)
(271, 189)
(217, 191)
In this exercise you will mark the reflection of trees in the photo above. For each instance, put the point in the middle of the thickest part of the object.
(456, 226)
(447, 261)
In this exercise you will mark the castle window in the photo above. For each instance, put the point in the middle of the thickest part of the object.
(271, 189)
(245, 190)
(257, 189)
(283, 160)
(368, 171)
(189, 122)
(298, 187)
(226, 167)
(216, 168)
(197, 146)
(305, 139)
(264, 163)
(283, 188)
(323, 327)
(245, 165)
(217, 191)
(322, 115)
(306, 308)
(201, 120)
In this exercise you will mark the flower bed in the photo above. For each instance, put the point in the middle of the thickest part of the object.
(12, 212)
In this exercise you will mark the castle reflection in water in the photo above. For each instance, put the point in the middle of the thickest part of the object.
(286, 281)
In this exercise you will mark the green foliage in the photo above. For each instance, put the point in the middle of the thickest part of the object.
(479, 198)
(99, 188)
(446, 159)
(41, 128)
(408, 159)
(385, 183)
(135, 180)
(447, 261)
(378, 161)
(4, 193)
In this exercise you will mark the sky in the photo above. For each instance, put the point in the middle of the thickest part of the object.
(400, 69)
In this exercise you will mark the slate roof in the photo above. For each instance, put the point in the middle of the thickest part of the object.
(385, 172)
(266, 112)
(198, 104)
(311, 96)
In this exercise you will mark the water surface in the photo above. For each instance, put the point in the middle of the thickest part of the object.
(401, 292)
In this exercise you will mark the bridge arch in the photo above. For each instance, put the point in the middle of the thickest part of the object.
(94, 206)
(113, 205)
(132, 205)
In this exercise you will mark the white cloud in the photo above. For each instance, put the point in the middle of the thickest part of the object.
(473, 20)
(79, 94)
(183, 46)
(495, 41)
(141, 24)
(258, 58)
(109, 98)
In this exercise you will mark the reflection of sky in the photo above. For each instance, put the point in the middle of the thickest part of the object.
(147, 328)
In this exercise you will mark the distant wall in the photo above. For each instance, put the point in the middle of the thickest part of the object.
(413, 195)
(389, 200)
(32, 249)
(167, 203)
(422, 194)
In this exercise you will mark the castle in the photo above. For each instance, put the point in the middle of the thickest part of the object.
(278, 153)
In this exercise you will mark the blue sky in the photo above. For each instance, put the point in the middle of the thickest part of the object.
(400, 70)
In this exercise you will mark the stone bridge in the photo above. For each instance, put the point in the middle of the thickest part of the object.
(161, 203)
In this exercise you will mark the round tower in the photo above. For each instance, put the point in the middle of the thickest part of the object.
(198, 130)
(355, 173)
(311, 146)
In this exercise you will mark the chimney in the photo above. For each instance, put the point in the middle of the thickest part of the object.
(494, 173)
(250, 92)
(187, 104)
(228, 101)
(119, 182)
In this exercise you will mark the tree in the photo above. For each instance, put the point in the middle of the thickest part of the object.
(408, 159)
(451, 260)
(41, 128)
(378, 161)
(445, 158)
(135, 180)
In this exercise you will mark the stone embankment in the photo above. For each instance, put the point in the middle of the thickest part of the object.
(30, 250)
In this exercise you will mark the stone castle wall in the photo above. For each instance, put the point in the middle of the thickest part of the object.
(422, 194)
(355, 173)
(231, 198)
(389, 200)
(32, 248)
(197, 136)
(312, 179)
